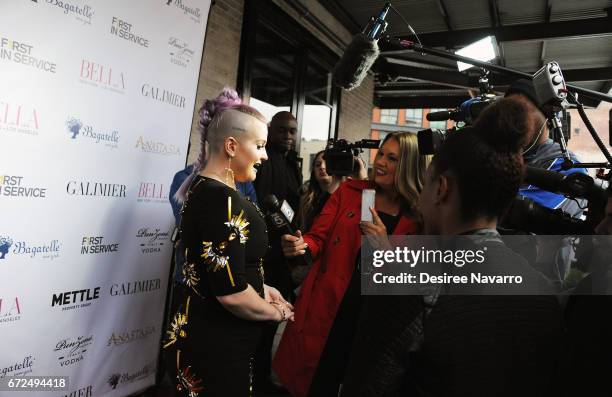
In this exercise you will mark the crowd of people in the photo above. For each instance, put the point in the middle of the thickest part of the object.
(237, 279)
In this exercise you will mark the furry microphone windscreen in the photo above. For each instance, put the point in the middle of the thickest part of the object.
(358, 58)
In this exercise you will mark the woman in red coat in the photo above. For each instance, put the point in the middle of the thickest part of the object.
(327, 309)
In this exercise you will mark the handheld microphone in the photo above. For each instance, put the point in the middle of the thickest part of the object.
(361, 53)
(280, 217)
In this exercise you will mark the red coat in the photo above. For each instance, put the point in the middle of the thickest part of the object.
(335, 242)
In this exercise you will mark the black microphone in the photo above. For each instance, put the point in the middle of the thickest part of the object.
(280, 220)
(576, 185)
(442, 115)
(361, 53)
(280, 217)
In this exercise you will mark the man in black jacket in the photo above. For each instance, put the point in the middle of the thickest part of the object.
(281, 176)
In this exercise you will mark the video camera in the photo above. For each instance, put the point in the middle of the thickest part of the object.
(340, 155)
(431, 139)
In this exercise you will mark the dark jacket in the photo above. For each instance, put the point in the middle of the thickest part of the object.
(462, 346)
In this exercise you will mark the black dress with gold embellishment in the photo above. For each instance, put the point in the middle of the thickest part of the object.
(225, 238)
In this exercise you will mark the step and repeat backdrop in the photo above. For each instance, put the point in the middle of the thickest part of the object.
(96, 104)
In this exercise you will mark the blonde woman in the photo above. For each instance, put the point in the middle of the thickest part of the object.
(329, 302)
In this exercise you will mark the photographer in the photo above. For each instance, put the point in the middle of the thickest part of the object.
(462, 345)
(318, 190)
(329, 302)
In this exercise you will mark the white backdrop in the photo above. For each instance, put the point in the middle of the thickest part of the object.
(96, 102)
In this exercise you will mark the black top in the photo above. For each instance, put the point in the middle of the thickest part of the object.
(224, 246)
(465, 346)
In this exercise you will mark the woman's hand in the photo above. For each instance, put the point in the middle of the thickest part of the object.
(293, 245)
(375, 231)
(271, 294)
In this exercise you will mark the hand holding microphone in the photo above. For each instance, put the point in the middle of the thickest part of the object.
(293, 245)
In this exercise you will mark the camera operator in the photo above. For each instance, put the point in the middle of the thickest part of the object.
(317, 190)
(462, 345)
(542, 152)
(330, 301)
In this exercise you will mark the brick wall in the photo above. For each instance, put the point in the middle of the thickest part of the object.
(222, 53)
(221, 56)
(356, 111)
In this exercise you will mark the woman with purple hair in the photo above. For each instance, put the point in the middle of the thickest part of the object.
(222, 304)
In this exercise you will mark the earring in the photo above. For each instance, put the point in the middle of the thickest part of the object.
(229, 174)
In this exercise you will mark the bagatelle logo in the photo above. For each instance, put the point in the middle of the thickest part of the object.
(193, 12)
(162, 95)
(128, 377)
(123, 29)
(21, 53)
(82, 392)
(152, 193)
(157, 147)
(95, 189)
(123, 337)
(102, 76)
(10, 310)
(22, 119)
(19, 368)
(14, 186)
(81, 13)
(96, 245)
(180, 53)
(77, 128)
(50, 250)
(151, 240)
(72, 350)
(135, 287)
(76, 299)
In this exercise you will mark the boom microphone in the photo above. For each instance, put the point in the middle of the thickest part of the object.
(361, 53)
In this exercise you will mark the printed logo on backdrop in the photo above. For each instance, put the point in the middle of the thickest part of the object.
(10, 246)
(157, 147)
(102, 76)
(152, 240)
(18, 118)
(117, 379)
(180, 53)
(135, 287)
(78, 130)
(15, 186)
(124, 30)
(72, 350)
(10, 310)
(119, 338)
(97, 245)
(82, 392)
(82, 13)
(95, 189)
(78, 299)
(23, 54)
(162, 95)
(152, 193)
(192, 12)
(18, 368)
